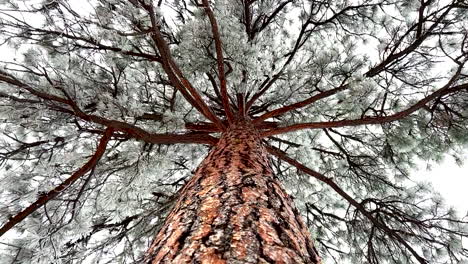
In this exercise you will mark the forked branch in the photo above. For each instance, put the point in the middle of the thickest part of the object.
(446, 89)
(328, 181)
(175, 74)
(267, 84)
(398, 53)
(130, 130)
(219, 59)
(300, 104)
(44, 198)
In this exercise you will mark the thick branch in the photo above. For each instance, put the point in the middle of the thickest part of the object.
(131, 130)
(248, 18)
(220, 60)
(301, 104)
(328, 181)
(141, 134)
(372, 120)
(240, 104)
(205, 127)
(150, 116)
(211, 128)
(175, 74)
(17, 99)
(44, 198)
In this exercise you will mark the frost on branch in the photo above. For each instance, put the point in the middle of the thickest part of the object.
(348, 96)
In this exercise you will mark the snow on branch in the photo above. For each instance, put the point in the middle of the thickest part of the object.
(44, 198)
(175, 74)
(328, 181)
(219, 59)
(130, 130)
(368, 120)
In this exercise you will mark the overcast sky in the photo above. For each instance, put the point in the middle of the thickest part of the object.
(447, 177)
(450, 180)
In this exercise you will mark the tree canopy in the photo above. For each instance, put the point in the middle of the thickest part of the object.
(108, 106)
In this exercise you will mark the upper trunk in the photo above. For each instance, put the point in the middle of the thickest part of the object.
(234, 211)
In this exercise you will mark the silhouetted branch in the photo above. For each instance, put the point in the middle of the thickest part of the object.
(328, 181)
(420, 38)
(263, 90)
(44, 198)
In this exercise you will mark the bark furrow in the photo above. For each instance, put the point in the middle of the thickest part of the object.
(234, 210)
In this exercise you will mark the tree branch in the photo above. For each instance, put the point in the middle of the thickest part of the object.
(301, 104)
(240, 104)
(270, 18)
(371, 119)
(215, 88)
(175, 74)
(220, 60)
(131, 130)
(328, 181)
(247, 18)
(413, 46)
(141, 134)
(96, 45)
(263, 89)
(44, 198)
(202, 126)
(290, 55)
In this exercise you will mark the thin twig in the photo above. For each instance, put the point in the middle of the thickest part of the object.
(44, 198)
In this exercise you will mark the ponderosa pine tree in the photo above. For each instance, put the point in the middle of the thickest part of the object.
(109, 108)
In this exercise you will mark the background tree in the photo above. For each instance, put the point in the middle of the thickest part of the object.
(107, 107)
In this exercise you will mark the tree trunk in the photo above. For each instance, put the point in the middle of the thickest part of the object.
(234, 211)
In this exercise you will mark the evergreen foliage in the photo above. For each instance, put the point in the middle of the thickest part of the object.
(347, 94)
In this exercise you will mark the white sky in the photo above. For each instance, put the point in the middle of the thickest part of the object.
(447, 177)
(450, 180)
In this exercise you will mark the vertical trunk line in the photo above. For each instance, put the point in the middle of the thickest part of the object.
(240, 105)
(234, 211)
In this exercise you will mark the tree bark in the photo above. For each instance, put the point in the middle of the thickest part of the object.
(234, 210)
